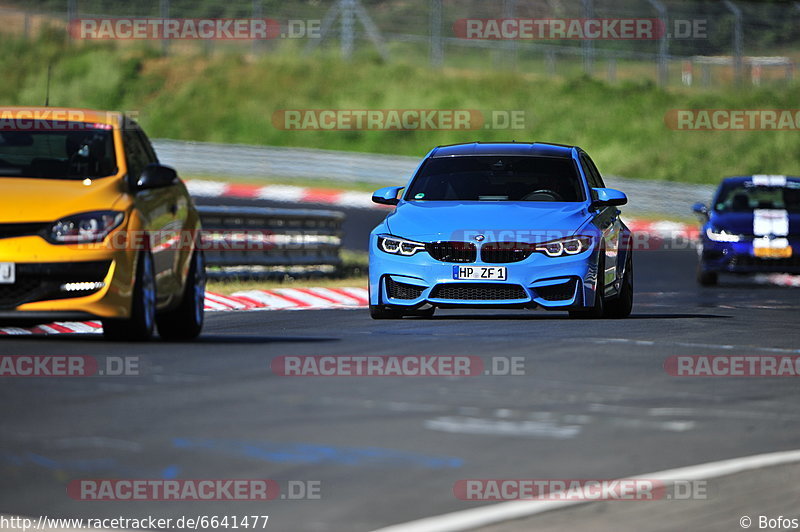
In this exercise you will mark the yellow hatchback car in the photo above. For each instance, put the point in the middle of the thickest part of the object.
(93, 227)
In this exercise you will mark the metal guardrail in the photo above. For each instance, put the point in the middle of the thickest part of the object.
(206, 158)
(268, 242)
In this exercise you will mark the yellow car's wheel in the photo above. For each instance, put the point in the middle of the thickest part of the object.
(186, 321)
(141, 324)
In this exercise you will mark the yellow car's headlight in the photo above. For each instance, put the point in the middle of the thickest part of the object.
(85, 227)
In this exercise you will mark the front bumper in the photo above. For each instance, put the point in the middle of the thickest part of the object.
(740, 258)
(42, 270)
(562, 283)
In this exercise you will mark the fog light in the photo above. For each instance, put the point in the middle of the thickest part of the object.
(81, 287)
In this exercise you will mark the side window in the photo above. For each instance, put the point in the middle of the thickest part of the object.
(135, 155)
(591, 177)
(148, 148)
(588, 163)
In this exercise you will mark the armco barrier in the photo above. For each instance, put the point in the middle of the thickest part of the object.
(263, 242)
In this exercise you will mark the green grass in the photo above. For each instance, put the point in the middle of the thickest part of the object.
(232, 97)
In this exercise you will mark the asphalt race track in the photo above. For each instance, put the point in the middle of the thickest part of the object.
(594, 402)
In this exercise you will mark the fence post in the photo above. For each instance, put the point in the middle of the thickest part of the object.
(509, 11)
(72, 14)
(164, 10)
(738, 45)
(348, 27)
(587, 45)
(258, 13)
(436, 44)
(663, 43)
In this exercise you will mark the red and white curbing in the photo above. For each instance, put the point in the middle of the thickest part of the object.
(285, 193)
(278, 299)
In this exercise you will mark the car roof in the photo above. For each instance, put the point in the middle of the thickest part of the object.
(68, 114)
(541, 149)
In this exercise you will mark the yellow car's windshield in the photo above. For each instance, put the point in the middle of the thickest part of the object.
(64, 150)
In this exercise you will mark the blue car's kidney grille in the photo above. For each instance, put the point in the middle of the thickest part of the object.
(498, 252)
(402, 290)
(452, 251)
(478, 291)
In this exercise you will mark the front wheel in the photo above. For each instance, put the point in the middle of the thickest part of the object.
(705, 278)
(141, 323)
(598, 309)
(186, 321)
(621, 306)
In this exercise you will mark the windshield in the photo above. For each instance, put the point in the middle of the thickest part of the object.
(66, 150)
(497, 178)
(746, 197)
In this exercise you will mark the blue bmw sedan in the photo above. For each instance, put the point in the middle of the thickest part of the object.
(751, 226)
(502, 225)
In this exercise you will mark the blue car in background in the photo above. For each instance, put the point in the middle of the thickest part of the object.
(751, 226)
(502, 225)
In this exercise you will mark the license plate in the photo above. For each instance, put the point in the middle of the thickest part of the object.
(7, 273)
(773, 253)
(480, 273)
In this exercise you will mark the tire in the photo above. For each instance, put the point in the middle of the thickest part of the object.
(139, 327)
(621, 306)
(186, 321)
(705, 278)
(598, 309)
(379, 312)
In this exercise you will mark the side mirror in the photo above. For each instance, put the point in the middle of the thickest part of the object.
(156, 176)
(700, 209)
(387, 195)
(603, 197)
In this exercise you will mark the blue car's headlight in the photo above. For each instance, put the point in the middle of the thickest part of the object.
(720, 235)
(565, 246)
(399, 246)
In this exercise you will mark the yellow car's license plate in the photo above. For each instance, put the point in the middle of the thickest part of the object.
(7, 273)
(773, 253)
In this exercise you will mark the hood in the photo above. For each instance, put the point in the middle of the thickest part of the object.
(773, 221)
(506, 221)
(44, 200)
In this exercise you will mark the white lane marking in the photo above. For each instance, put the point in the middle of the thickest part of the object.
(507, 511)
(502, 427)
